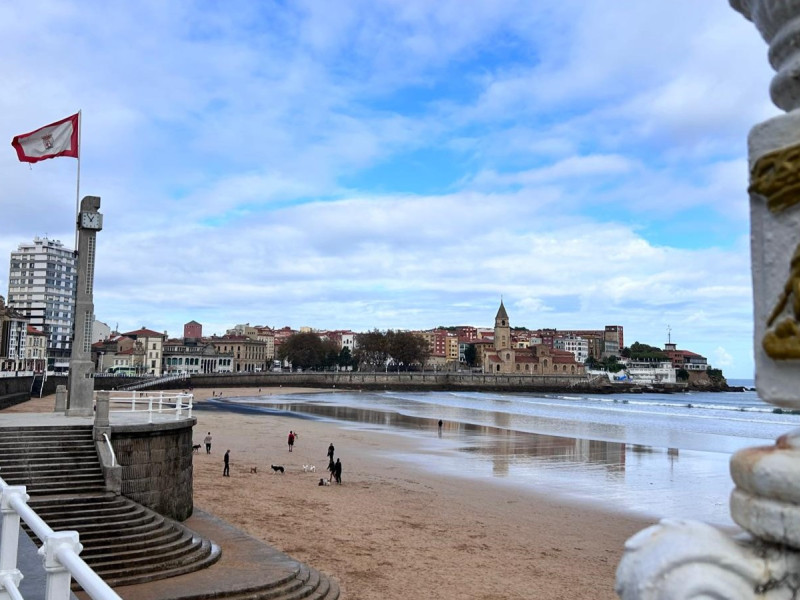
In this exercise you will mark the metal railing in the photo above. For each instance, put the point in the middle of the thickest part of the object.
(151, 403)
(152, 381)
(60, 552)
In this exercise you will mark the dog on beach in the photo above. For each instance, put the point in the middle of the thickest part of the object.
(254, 469)
(277, 468)
(309, 468)
(323, 481)
(196, 448)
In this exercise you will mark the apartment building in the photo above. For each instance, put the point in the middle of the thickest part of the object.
(42, 281)
(248, 354)
(685, 359)
(577, 346)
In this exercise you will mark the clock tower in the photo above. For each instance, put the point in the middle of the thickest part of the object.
(80, 401)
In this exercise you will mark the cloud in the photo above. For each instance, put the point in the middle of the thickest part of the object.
(399, 164)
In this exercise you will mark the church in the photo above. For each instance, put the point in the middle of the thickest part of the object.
(502, 358)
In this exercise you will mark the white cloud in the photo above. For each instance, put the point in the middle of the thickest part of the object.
(398, 164)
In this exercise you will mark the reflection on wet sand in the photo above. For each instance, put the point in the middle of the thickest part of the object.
(649, 480)
(500, 445)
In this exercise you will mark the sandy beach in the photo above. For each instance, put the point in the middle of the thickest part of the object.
(389, 531)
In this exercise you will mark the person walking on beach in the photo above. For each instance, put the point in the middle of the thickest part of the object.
(226, 472)
(330, 453)
(207, 442)
(337, 471)
(291, 440)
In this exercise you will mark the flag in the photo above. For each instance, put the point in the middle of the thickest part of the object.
(57, 139)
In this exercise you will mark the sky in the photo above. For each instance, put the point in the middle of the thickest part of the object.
(400, 164)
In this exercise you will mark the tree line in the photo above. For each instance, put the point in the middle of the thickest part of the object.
(375, 350)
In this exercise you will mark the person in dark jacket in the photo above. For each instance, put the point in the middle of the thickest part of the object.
(226, 472)
(337, 471)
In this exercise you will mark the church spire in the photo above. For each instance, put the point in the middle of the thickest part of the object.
(502, 315)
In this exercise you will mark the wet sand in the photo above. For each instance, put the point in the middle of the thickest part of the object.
(392, 531)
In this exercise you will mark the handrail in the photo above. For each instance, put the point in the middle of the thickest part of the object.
(155, 403)
(60, 551)
(111, 449)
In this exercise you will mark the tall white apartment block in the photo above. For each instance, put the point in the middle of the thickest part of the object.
(41, 285)
(575, 344)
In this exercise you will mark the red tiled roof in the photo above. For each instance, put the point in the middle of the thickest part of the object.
(143, 332)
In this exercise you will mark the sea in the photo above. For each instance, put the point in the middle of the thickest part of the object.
(650, 455)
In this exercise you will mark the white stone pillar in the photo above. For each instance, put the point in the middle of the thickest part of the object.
(684, 559)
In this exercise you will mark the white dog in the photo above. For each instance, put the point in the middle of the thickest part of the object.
(309, 468)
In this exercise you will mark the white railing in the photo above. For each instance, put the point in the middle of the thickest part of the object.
(150, 381)
(110, 450)
(60, 552)
(151, 403)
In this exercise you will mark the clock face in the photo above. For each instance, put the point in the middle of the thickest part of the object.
(91, 220)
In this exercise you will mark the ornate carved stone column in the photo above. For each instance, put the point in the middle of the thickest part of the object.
(685, 559)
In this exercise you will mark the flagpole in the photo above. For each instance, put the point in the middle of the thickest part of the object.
(78, 182)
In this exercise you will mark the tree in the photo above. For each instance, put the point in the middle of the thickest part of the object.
(329, 354)
(612, 364)
(645, 352)
(302, 350)
(407, 348)
(345, 358)
(470, 355)
(371, 349)
(682, 374)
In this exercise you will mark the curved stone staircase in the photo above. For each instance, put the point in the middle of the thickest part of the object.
(124, 542)
(128, 544)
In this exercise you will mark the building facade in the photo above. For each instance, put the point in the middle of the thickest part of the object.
(504, 358)
(13, 333)
(35, 350)
(41, 285)
(147, 350)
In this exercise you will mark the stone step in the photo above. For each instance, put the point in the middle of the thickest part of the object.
(55, 503)
(81, 519)
(165, 554)
(144, 522)
(36, 488)
(203, 556)
(42, 455)
(47, 484)
(161, 537)
(11, 441)
(23, 436)
(49, 470)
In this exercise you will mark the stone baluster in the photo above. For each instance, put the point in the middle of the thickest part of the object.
(685, 559)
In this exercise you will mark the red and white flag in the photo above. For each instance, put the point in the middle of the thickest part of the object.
(57, 139)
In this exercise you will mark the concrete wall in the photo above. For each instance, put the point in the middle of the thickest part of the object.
(14, 390)
(156, 462)
(408, 381)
